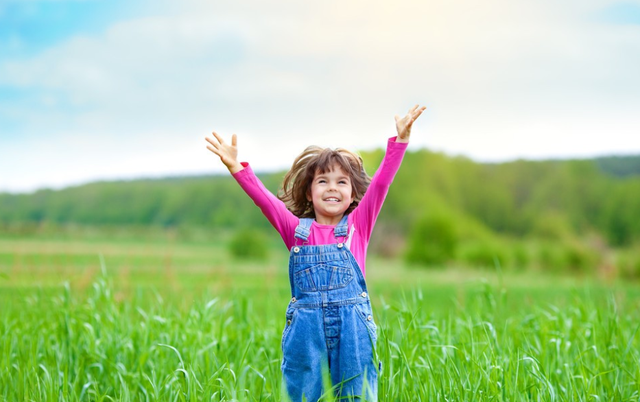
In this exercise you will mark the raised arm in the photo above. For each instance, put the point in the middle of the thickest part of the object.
(272, 208)
(365, 215)
(228, 153)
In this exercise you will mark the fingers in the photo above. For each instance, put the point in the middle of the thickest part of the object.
(224, 151)
(413, 114)
(418, 112)
(415, 111)
(217, 137)
(234, 140)
(214, 150)
(405, 123)
(210, 141)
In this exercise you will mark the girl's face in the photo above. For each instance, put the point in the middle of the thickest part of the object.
(331, 194)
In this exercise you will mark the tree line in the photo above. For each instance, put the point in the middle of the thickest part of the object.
(567, 201)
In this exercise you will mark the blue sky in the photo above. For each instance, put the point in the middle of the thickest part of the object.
(29, 27)
(95, 90)
(625, 13)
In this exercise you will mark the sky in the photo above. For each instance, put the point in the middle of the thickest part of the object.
(112, 89)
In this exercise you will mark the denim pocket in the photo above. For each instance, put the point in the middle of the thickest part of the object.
(366, 316)
(323, 277)
(289, 321)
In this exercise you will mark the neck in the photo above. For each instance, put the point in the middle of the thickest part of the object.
(331, 221)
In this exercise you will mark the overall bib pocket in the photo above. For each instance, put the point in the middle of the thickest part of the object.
(323, 277)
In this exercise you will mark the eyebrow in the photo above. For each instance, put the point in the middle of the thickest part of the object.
(324, 176)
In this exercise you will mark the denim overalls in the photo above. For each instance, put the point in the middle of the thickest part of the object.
(328, 322)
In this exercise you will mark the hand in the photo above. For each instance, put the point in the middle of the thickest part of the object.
(403, 125)
(228, 153)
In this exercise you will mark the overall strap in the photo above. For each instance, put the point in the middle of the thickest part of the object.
(303, 229)
(341, 228)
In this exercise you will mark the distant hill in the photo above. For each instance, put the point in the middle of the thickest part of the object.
(620, 166)
(518, 198)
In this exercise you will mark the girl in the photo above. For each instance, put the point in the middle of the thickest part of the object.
(325, 219)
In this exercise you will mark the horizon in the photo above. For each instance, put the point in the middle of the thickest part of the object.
(179, 176)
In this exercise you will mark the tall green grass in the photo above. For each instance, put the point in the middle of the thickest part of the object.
(583, 351)
(480, 342)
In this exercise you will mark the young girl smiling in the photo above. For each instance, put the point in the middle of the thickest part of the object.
(325, 213)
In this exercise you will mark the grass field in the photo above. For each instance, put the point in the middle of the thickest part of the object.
(156, 317)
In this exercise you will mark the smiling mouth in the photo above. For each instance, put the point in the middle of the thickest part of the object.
(332, 199)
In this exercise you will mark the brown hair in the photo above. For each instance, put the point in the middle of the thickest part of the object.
(297, 182)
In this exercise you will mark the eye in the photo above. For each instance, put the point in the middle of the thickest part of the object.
(322, 181)
(342, 182)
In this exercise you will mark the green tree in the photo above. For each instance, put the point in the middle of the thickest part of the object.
(249, 244)
(432, 240)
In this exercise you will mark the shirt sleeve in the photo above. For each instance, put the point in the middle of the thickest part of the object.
(365, 215)
(271, 206)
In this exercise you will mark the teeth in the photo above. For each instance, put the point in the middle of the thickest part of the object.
(332, 199)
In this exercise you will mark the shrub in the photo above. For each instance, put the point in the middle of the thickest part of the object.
(249, 244)
(550, 257)
(483, 255)
(552, 227)
(571, 256)
(520, 258)
(628, 264)
(432, 240)
(580, 258)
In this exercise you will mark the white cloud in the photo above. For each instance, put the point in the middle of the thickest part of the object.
(502, 79)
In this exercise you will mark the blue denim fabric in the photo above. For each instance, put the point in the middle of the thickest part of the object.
(329, 324)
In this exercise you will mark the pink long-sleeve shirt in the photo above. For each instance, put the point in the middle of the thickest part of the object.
(360, 221)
